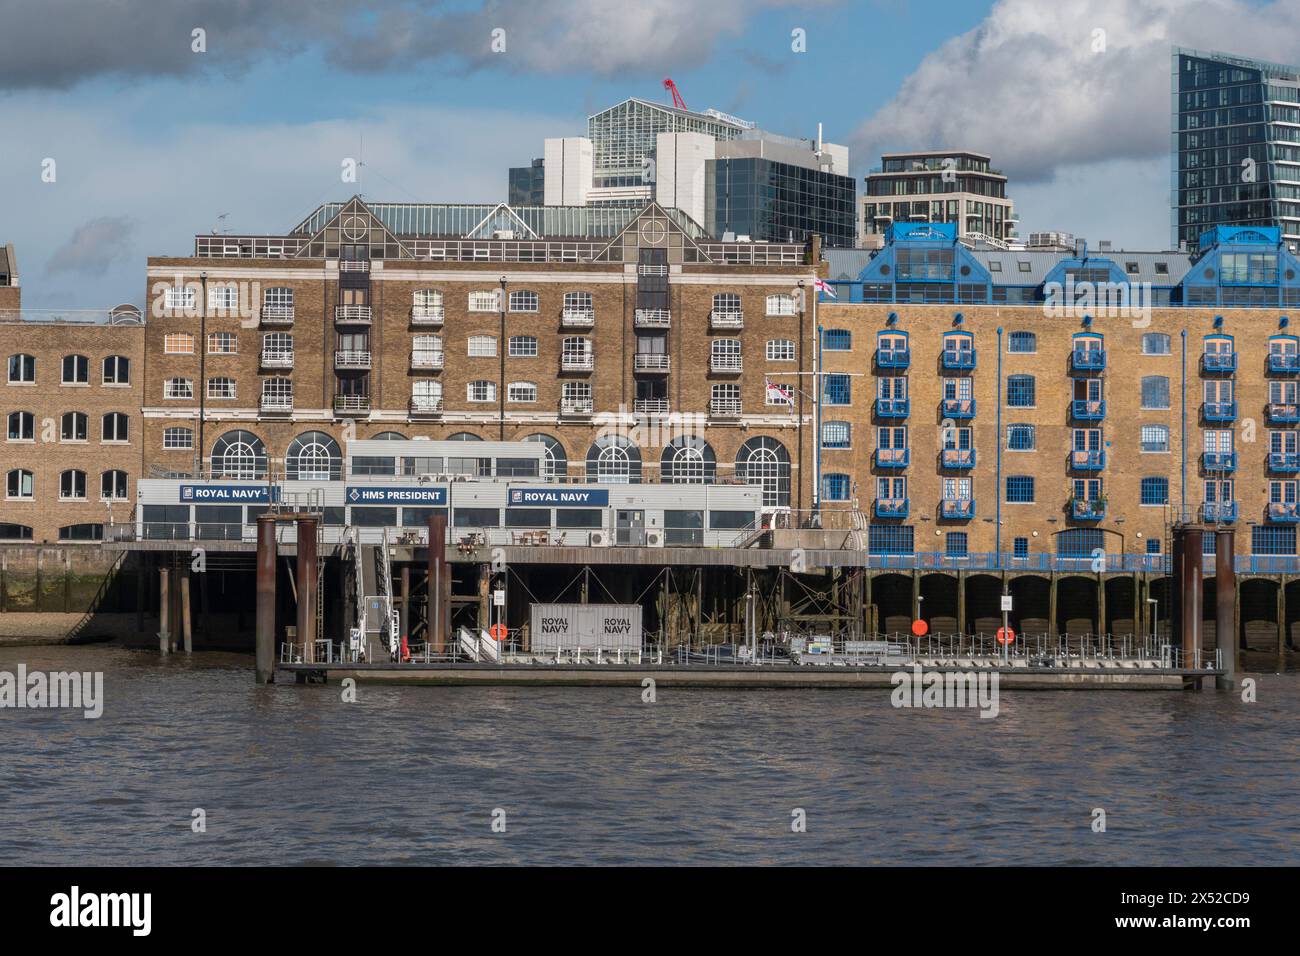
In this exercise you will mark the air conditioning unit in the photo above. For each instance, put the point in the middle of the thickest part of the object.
(503, 233)
(599, 539)
(654, 539)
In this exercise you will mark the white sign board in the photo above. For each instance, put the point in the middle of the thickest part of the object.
(1006, 602)
(499, 598)
(585, 626)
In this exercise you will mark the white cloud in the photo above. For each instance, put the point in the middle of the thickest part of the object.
(267, 177)
(1029, 88)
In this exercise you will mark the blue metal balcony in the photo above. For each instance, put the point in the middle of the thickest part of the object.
(957, 458)
(1088, 360)
(958, 360)
(1283, 363)
(1083, 509)
(1286, 512)
(892, 507)
(893, 358)
(957, 508)
(1281, 414)
(893, 457)
(1087, 410)
(1283, 461)
(893, 407)
(1219, 361)
(957, 408)
(1219, 411)
(1088, 460)
(1221, 511)
(1219, 461)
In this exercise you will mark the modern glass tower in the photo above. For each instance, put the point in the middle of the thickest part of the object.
(1236, 145)
(623, 136)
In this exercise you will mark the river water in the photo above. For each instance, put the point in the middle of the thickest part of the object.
(413, 775)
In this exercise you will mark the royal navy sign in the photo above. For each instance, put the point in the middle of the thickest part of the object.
(240, 494)
(560, 497)
(386, 495)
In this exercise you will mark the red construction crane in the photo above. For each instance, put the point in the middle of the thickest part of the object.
(671, 87)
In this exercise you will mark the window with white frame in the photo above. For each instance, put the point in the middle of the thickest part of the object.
(481, 391)
(1218, 441)
(277, 391)
(578, 302)
(112, 485)
(724, 354)
(76, 370)
(177, 438)
(482, 346)
(20, 485)
(221, 388)
(780, 305)
(837, 434)
(521, 392)
(277, 345)
(22, 369)
(576, 392)
(223, 343)
(178, 343)
(726, 302)
(72, 427)
(179, 298)
(428, 346)
(780, 350)
(22, 426)
(576, 349)
(523, 301)
(726, 394)
(426, 393)
(523, 346)
(279, 297)
(482, 301)
(430, 300)
(223, 298)
(72, 485)
(1155, 438)
(115, 427)
(178, 388)
(117, 370)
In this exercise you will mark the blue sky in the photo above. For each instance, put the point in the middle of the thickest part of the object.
(153, 142)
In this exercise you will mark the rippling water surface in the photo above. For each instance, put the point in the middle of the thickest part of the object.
(412, 775)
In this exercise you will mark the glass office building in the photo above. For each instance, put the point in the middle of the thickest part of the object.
(527, 184)
(770, 201)
(623, 137)
(1236, 145)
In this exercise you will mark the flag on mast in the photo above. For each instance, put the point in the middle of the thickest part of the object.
(780, 393)
(821, 285)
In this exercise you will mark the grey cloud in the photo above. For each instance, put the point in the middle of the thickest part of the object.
(58, 43)
(94, 247)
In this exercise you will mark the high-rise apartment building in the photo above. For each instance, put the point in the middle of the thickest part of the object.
(1236, 145)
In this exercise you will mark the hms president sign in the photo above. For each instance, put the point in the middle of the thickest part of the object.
(380, 495)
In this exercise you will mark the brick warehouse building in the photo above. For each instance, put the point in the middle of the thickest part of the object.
(71, 404)
(485, 322)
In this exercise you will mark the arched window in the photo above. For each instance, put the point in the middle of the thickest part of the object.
(73, 426)
(688, 460)
(556, 464)
(313, 456)
(115, 426)
(22, 426)
(22, 369)
(76, 370)
(89, 531)
(239, 454)
(15, 532)
(72, 485)
(521, 392)
(117, 370)
(613, 460)
(1155, 343)
(388, 436)
(836, 487)
(112, 485)
(464, 436)
(765, 461)
(19, 484)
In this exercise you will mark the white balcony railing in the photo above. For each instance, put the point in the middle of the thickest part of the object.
(650, 362)
(353, 314)
(426, 358)
(725, 407)
(351, 403)
(653, 318)
(351, 358)
(650, 406)
(354, 265)
(426, 405)
(577, 363)
(727, 319)
(276, 403)
(577, 406)
(428, 315)
(276, 358)
(725, 363)
(277, 315)
(578, 318)
(651, 270)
